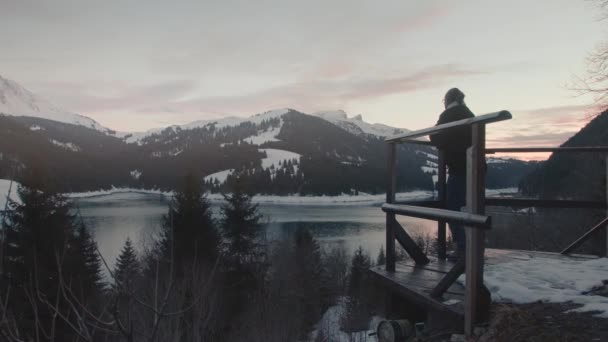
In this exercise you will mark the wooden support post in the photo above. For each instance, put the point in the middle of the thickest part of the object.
(441, 192)
(390, 198)
(409, 245)
(475, 237)
(606, 229)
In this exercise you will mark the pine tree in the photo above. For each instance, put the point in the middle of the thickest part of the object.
(381, 260)
(313, 287)
(86, 264)
(244, 251)
(127, 270)
(188, 231)
(42, 248)
(241, 228)
(357, 309)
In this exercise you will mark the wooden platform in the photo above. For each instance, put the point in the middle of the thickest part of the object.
(414, 283)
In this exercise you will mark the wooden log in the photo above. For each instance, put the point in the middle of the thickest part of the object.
(586, 236)
(409, 245)
(474, 312)
(441, 196)
(473, 220)
(481, 119)
(390, 198)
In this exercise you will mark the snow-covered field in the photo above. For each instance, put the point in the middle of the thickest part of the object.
(5, 185)
(344, 199)
(549, 280)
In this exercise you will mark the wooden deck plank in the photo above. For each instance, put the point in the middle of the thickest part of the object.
(415, 282)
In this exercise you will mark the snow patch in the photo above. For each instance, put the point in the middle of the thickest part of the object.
(36, 128)
(135, 174)
(5, 185)
(68, 146)
(274, 156)
(220, 176)
(549, 280)
(264, 136)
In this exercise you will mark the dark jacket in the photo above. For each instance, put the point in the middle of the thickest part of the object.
(454, 142)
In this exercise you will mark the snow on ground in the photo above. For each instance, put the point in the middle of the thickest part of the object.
(68, 146)
(496, 161)
(220, 176)
(330, 326)
(428, 169)
(344, 199)
(18, 101)
(136, 137)
(428, 155)
(135, 174)
(549, 280)
(5, 185)
(274, 156)
(36, 128)
(264, 137)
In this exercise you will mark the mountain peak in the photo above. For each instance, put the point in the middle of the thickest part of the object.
(16, 100)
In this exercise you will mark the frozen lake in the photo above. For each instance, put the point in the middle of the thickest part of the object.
(115, 217)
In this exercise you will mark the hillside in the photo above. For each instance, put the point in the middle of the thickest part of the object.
(278, 152)
(558, 178)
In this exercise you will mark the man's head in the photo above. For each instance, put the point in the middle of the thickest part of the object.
(453, 95)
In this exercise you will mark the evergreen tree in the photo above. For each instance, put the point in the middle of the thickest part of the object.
(188, 231)
(127, 270)
(244, 251)
(43, 247)
(241, 228)
(358, 308)
(381, 260)
(86, 264)
(313, 292)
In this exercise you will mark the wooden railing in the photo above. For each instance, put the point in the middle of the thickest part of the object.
(476, 222)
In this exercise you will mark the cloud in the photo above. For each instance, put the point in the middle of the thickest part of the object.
(311, 95)
(540, 127)
(96, 97)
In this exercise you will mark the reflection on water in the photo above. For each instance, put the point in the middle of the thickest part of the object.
(113, 218)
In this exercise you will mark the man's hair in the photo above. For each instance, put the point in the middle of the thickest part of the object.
(453, 95)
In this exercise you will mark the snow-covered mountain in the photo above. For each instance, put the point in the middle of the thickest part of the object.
(354, 125)
(17, 101)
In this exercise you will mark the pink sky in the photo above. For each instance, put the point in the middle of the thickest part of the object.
(135, 65)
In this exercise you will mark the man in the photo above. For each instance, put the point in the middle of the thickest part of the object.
(454, 142)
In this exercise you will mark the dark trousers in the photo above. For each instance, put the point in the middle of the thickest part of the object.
(456, 199)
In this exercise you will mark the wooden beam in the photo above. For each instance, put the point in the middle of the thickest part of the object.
(485, 119)
(473, 220)
(409, 245)
(449, 279)
(474, 256)
(586, 236)
(543, 203)
(391, 188)
(441, 196)
(602, 149)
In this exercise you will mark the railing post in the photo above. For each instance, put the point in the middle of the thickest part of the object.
(441, 192)
(475, 237)
(606, 228)
(390, 198)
